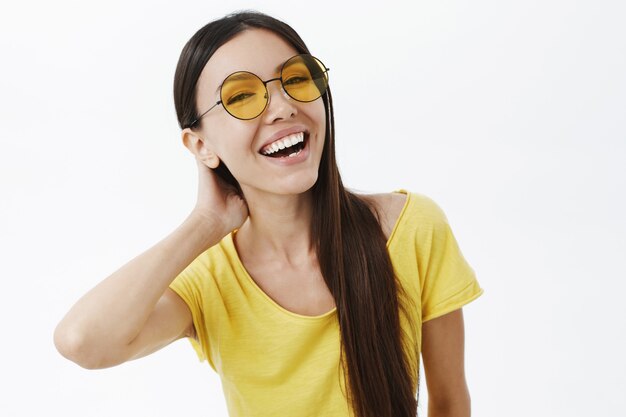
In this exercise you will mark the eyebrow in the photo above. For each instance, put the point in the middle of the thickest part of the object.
(241, 76)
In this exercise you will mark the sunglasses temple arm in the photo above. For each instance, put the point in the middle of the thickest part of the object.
(200, 117)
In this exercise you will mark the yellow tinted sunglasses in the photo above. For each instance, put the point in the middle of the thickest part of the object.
(244, 95)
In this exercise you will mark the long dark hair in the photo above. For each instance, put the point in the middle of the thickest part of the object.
(351, 246)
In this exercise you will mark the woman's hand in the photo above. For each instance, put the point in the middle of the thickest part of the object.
(218, 202)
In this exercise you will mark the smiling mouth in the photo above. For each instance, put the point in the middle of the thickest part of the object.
(290, 151)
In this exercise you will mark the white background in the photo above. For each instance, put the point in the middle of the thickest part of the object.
(510, 115)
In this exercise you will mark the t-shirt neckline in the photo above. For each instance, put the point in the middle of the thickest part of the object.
(248, 277)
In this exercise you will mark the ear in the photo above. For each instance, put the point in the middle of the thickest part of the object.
(200, 148)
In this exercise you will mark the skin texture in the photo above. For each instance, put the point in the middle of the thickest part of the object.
(443, 355)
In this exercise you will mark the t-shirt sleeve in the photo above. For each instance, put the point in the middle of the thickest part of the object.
(447, 281)
(189, 285)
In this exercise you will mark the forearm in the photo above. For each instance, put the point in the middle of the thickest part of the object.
(457, 407)
(112, 314)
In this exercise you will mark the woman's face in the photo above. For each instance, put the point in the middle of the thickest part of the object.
(238, 143)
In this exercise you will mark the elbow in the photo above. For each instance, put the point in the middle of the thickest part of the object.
(71, 346)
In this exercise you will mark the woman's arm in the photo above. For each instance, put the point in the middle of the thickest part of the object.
(443, 352)
(131, 313)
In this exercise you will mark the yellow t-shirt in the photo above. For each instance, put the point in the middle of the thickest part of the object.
(273, 362)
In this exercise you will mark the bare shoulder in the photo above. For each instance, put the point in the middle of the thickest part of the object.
(389, 207)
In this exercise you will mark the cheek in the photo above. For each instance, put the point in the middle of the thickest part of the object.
(319, 115)
(233, 139)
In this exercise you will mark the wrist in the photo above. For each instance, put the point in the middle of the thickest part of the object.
(210, 229)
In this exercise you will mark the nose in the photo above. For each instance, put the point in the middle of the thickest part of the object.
(282, 106)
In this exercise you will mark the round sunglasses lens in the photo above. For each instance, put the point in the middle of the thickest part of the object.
(243, 95)
(304, 77)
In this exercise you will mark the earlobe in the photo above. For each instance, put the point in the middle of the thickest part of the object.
(210, 159)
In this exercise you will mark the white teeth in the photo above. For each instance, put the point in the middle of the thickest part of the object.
(283, 143)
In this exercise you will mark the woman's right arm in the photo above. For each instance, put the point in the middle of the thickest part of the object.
(133, 312)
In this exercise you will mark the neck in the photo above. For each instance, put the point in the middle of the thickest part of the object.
(279, 228)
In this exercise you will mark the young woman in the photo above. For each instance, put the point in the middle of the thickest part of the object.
(306, 298)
